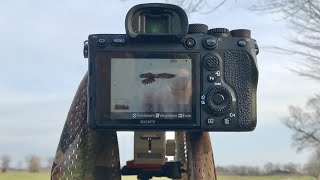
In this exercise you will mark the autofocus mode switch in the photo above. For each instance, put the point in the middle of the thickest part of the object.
(218, 99)
(210, 42)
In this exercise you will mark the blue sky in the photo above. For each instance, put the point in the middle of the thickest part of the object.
(41, 65)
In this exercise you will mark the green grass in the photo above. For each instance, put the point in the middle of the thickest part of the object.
(263, 178)
(24, 176)
(46, 176)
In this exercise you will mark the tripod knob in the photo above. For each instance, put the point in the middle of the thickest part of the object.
(171, 147)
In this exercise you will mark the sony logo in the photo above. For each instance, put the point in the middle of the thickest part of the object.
(147, 121)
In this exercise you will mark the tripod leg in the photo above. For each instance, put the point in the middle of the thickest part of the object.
(200, 156)
(194, 150)
(107, 163)
(181, 153)
(83, 153)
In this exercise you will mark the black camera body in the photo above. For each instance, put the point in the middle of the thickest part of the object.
(165, 74)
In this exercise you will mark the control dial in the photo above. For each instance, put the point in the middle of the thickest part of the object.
(219, 32)
(218, 99)
(211, 62)
(241, 33)
(197, 28)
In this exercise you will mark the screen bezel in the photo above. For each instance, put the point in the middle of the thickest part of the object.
(103, 74)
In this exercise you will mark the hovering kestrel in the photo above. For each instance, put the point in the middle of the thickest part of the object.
(150, 77)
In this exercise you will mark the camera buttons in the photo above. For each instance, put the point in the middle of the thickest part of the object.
(218, 99)
(211, 78)
(190, 43)
(256, 49)
(102, 42)
(210, 42)
(118, 41)
(242, 43)
(211, 62)
(226, 121)
(211, 120)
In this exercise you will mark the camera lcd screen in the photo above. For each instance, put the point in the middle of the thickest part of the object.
(151, 88)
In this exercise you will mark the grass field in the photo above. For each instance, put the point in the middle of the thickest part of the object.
(45, 176)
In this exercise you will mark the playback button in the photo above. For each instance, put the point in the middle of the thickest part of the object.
(211, 121)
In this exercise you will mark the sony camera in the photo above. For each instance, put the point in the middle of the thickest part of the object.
(167, 74)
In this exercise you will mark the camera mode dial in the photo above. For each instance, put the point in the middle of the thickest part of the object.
(218, 99)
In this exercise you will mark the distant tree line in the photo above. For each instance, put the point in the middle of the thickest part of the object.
(5, 163)
(33, 164)
(36, 164)
(269, 169)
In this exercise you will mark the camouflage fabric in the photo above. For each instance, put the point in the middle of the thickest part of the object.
(83, 154)
(194, 150)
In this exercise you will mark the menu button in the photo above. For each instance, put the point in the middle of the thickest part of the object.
(118, 41)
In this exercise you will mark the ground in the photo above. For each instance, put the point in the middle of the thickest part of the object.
(45, 176)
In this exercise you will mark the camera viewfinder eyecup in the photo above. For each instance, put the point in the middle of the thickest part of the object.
(156, 21)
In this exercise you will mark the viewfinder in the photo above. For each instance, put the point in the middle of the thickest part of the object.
(156, 21)
(156, 24)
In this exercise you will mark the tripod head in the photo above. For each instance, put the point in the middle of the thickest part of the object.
(150, 151)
